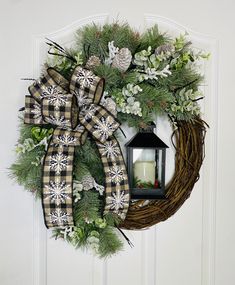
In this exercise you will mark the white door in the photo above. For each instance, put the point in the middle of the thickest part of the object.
(196, 245)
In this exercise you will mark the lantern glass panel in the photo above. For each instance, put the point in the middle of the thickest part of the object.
(144, 165)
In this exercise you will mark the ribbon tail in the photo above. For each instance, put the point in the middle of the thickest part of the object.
(57, 190)
(116, 179)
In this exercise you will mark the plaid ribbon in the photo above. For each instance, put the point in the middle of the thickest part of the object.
(73, 107)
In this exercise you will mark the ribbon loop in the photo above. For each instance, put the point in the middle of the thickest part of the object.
(98, 121)
(33, 113)
(60, 112)
(86, 86)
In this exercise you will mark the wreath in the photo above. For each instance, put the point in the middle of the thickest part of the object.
(68, 153)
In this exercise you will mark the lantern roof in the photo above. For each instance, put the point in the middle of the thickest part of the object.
(146, 140)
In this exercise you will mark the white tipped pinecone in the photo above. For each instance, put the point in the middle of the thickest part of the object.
(93, 61)
(122, 59)
(110, 105)
(87, 182)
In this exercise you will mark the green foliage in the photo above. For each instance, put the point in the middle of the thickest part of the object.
(184, 106)
(179, 79)
(25, 131)
(110, 243)
(62, 63)
(112, 76)
(180, 42)
(112, 220)
(153, 101)
(87, 209)
(39, 133)
(152, 37)
(94, 39)
(87, 160)
(26, 173)
(91, 230)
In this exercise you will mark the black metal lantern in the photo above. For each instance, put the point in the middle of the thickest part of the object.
(146, 159)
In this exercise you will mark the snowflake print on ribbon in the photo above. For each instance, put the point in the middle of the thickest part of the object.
(57, 192)
(82, 98)
(116, 174)
(118, 201)
(58, 121)
(58, 162)
(88, 112)
(57, 100)
(85, 78)
(110, 149)
(79, 128)
(59, 217)
(37, 113)
(67, 139)
(50, 90)
(105, 128)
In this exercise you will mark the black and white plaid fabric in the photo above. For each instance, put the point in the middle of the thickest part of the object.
(73, 107)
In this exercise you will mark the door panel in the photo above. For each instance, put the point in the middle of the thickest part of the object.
(193, 247)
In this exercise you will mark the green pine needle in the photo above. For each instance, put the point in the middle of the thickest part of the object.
(110, 243)
(88, 207)
(152, 37)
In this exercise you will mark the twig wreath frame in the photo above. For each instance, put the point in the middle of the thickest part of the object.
(67, 153)
(189, 156)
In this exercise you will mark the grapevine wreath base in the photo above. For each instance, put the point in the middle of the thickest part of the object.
(68, 153)
(189, 146)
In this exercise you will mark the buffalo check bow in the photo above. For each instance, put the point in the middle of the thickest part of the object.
(73, 108)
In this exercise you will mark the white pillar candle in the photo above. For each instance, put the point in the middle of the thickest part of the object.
(145, 171)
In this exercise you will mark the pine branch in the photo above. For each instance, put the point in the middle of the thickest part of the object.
(87, 209)
(152, 37)
(109, 242)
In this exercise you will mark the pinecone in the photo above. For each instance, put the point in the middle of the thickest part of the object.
(110, 105)
(122, 59)
(93, 61)
(87, 182)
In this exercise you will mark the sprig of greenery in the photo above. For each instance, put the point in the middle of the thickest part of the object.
(153, 38)
(94, 39)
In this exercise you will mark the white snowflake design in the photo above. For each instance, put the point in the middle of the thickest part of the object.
(50, 90)
(118, 200)
(79, 128)
(58, 162)
(110, 149)
(66, 139)
(105, 128)
(57, 192)
(58, 121)
(88, 112)
(58, 100)
(85, 78)
(37, 113)
(59, 217)
(82, 98)
(116, 174)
